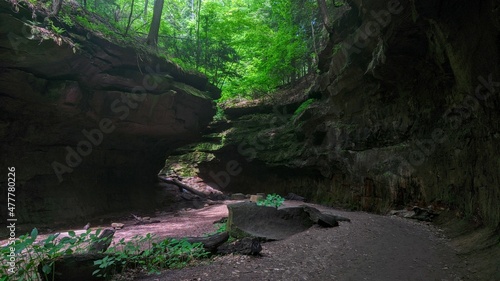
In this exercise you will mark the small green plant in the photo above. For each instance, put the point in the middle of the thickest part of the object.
(272, 200)
(30, 253)
(84, 22)
(219, 115)
(339, 4)
(57, 30)
(337, 48)
(180, 252)
(302, 107)
(67, 20)
(220, 227)
(142, 252)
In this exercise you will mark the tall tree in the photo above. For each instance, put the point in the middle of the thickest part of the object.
(130, 17)
(198, 40)
(155, 24)
(146, 2)
(324, 14)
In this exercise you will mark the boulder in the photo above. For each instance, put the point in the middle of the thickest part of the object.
(117, 225)
(244, 246)
(238, 196)
(256, 198)
(417, 213)
(323, 219)
(293, 196)
(248, 219)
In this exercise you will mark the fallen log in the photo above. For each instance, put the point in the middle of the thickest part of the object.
(144, 220)
(183, 186)
(245, 246)
(78, 267)
(210, 243)
(75, 267)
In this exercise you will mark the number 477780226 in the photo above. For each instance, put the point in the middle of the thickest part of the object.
(11, 189)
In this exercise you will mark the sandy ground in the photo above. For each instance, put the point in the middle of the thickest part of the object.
(371, 247)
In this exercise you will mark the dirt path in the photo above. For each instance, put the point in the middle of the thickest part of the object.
(372, 247)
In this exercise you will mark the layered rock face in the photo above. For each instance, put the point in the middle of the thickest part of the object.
(406, 112)
(87, 126)
(410, 113)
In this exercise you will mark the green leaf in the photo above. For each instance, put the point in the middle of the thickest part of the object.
(71, 233)
(47, 268)
(34, 233)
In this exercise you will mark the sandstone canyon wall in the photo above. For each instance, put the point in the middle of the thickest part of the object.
(86, 122)
(405, 111)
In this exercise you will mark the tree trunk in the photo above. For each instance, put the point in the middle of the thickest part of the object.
(198, 41)
(146, 9)
(130, 17)
(314, 46)
(155, 24)
(324, 13)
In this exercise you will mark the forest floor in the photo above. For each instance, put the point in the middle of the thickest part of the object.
(371, 247)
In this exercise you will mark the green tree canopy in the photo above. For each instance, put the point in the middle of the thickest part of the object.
(245, 47)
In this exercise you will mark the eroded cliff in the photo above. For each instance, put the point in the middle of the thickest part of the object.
(87, 122)
(404, 111)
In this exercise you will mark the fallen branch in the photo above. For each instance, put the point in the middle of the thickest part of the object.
(182, 185)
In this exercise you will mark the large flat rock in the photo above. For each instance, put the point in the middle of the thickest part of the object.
(248, 219)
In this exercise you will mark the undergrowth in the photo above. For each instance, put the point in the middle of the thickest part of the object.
(302, 108)
(29, 253)
(272, 200)
(147, 253)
